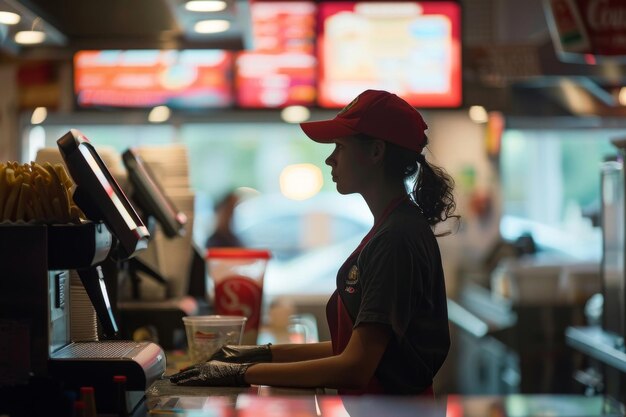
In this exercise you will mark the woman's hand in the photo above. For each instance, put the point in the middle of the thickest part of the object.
(213, 374)
(243, 354)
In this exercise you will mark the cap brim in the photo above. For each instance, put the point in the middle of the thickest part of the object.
(326, 131)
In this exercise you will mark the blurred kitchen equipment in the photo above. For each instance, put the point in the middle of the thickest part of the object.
(604, 344)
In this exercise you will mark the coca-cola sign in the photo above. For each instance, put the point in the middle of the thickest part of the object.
(596, 27)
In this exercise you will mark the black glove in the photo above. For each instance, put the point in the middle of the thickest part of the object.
(213, 374)
(243, 354)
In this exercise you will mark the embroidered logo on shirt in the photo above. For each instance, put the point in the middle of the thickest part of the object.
(353, 275)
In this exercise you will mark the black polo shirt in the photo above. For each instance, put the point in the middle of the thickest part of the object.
(398, 281)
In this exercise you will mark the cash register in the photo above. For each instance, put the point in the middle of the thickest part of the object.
(39, 261)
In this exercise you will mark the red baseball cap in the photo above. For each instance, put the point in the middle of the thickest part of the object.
(375, 113)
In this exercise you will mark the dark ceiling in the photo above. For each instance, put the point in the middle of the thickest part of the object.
(130, 24)
(81, 19)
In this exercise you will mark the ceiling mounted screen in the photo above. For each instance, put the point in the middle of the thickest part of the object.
(410, 48)
(281, 70)
(147, 78)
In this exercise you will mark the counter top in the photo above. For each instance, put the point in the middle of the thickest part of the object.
(163, 388)
(163, 398)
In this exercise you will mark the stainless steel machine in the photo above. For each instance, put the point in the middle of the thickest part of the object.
(38, 263)
(604, 344)
(613, 248)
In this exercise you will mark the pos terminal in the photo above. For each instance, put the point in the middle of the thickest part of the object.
(155, 208)
(44, 261)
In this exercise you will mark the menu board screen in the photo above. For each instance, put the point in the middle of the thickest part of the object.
(148, 78)
(281, 69)
(410, 48)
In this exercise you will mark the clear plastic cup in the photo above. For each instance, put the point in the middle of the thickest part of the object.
(237, 275)
(206, 334)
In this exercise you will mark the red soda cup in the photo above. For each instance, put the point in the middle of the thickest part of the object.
(237, 275)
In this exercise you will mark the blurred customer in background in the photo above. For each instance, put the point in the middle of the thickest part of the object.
(223, 235)
(388, 317)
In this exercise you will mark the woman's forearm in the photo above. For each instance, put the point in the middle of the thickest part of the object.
(330, 372)
(301, 352)
(353, 368)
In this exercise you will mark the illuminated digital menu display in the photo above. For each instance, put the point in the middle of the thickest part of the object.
(410, 48)
(281, 70)
(304, 53)
(147, 78)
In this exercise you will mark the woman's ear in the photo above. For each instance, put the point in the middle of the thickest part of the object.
(378, 150)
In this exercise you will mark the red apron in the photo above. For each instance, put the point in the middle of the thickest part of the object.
(341, 324)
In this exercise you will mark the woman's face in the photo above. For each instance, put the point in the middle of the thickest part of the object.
(351, 162)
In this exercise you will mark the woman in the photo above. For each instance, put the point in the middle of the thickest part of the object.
(388, 316)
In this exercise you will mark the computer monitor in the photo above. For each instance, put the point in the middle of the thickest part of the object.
(100, 196)
(150, 197)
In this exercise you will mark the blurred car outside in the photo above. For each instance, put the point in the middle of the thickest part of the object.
(309, 239)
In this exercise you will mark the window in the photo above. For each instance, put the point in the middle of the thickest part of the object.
(551, 187)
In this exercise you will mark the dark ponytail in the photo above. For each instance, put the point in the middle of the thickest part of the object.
(432, 189)
(432, 192)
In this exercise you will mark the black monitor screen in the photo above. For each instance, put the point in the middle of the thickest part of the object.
(99, 195)
(150, 197)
